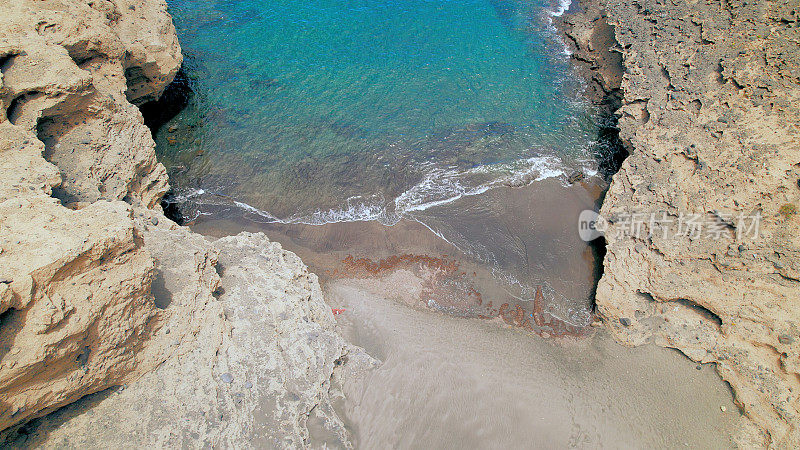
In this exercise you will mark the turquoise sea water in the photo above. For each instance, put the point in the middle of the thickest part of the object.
(341, 110)
(303, 105)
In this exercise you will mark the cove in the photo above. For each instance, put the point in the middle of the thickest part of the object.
(460, 118)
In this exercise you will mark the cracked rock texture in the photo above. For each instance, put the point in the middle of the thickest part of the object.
(98, 289)
(710, 113)
(257, 374)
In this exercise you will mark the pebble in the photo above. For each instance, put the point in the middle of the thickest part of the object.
(785, 339)
(699, 367)
(625, 321)
(154, 220)
(723, 409)
(248, 385)
(226, 377)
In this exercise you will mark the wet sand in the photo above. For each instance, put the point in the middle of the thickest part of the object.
(508, 243)
(468, 359)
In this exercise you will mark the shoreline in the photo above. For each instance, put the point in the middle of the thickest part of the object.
(380, 306)
(560, 273)
(381, 311)
(108, 307)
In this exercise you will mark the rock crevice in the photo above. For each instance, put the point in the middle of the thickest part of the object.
(709, 112)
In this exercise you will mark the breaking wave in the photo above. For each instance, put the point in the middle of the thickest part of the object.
(438, 187)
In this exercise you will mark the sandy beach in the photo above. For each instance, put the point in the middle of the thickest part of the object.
(446, 378)
(447, 382)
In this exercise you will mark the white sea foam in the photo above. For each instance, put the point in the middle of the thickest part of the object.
(438, 187)
(253, 210)
(563, 6)
(537, 168)
(355, 209)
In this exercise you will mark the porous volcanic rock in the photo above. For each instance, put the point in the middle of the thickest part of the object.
(77, 161)
(710, 115)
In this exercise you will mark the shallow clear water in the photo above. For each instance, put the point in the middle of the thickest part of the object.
(316, 112)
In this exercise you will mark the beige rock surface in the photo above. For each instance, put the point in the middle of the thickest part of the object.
(257, 374)
(98, 288)
(710, 115)
(77, 313)
(68, 72)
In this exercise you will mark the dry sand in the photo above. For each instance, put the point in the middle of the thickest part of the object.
(448, 382)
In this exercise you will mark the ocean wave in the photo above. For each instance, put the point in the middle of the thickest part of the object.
(558, 10)
(561, 8)
(438, 187)
(253, 210)
(355, 209)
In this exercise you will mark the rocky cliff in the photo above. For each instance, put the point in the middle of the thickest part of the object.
(231, 341)
(98, 288)
(703, 248)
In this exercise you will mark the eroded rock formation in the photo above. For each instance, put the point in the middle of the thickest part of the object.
(710, 115)
(77, 310)
(255, 374)
(98, 288)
